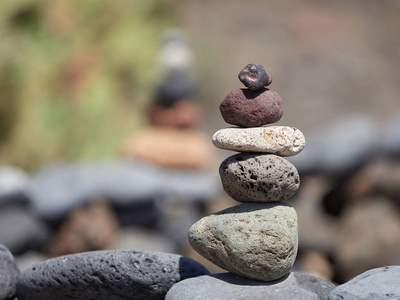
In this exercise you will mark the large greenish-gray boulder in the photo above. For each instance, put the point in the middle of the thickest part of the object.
(254, 240)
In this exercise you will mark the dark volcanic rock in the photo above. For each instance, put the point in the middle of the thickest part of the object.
(228, 286)
(380, 283)
(248, 108)
(254, 77)
(113, 274)
(8, 274)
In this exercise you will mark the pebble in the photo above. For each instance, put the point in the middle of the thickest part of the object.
(379, 283)
(170, 147)
(9, 273)
(228, 286)
(254, 77)
(280, 140)
(254, 240)
(246, 108)
(249, 177)
(112, 274)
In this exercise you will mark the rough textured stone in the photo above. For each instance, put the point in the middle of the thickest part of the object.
(181, 114)
(248, 108)
(86, 229)
(8, 274)
(254, 77)
(280, 140)
(228, 286)
(380, 283)
(113, 274)
(248, 177)
(170, 147)
(253, 240)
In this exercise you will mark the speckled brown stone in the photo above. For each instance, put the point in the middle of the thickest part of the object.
(246, 108)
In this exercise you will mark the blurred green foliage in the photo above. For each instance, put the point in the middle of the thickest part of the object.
(75, 76)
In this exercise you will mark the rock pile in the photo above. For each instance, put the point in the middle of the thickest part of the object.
(257, 239)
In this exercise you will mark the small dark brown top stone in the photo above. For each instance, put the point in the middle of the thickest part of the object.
(246, 108)
(254, 77)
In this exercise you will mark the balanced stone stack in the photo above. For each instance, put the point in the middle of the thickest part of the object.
(257, 239)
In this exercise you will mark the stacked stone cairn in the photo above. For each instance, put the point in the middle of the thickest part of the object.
(257, 239)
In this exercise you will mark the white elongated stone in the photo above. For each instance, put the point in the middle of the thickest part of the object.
(253, 240)
(280, 140)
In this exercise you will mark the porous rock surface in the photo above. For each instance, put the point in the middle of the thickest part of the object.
(254, 240)
(280, 140)
(379, 283)
(250, 177)
(112, 274)
(228, 286)
(8, 274)
(246, 108)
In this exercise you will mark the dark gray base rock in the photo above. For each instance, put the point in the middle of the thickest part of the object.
(380, 283)
(8, 274)
(112, 274)
(228, 286)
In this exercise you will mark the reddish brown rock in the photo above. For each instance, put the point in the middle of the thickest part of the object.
(182, 114)
(248, 108)
(171, 147)
(254, 77)
(86, 229)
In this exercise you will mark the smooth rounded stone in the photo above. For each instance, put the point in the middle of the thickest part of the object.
(181, 114)
(175, 87)
(21, 229)
(246, 108)
(253, 240)
(339, 147)
(254, 77)
(60, 188)
(123, 182)
(111, 274)
(380, 283)
(13, 185)
(170, 147)
(228, 286)
(188, 185)
(280, 140)
(9, 273)
(249, 177)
